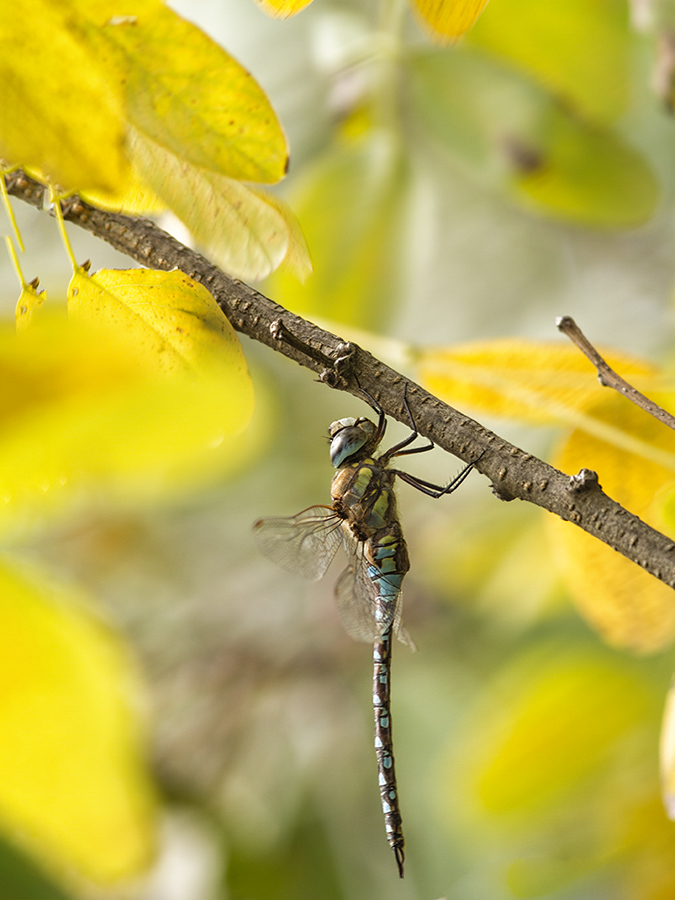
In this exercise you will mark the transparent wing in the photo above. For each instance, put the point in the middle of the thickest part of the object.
(304, 544)
(356, 598)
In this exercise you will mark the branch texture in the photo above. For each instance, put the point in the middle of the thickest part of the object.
(514, 473)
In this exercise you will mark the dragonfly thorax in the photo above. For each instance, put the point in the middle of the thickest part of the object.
(349, 437)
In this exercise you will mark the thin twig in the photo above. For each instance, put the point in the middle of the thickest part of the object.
(515, 474)
(606, 374)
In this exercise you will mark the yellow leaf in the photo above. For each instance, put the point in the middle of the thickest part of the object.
(241, 229)
(188, 95)
(628, 607)
(448, 19)
(73, 784)
(30, 300)
(282, 9)
(351, 209)
(88, 407)
(171, 319)
(132, 197)
(549, 722)
(531, 381)
(65, 119)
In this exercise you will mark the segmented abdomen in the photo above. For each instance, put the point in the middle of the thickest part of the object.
(383, 747)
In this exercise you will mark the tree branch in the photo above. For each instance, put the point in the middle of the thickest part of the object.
(514, 473)
(606, 374)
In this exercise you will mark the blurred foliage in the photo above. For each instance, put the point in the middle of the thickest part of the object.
(71, 778)
(447, 195)
(163, 104)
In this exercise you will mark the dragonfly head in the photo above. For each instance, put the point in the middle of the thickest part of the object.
(349, 436)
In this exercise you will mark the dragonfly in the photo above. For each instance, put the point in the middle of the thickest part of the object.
(363, 518)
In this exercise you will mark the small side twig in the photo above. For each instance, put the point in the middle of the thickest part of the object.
(606, 374)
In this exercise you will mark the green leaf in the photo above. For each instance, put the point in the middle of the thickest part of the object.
(580, 52)
(510, 132)
(351, 209)
(20, 877)
(74, 787)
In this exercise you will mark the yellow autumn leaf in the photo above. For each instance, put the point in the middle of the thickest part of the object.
(118, 410)
(240, 228)
(448, 19)
(131, 197)
(187, 94)
(532, 381)
(171, 319)
(548, 721)
(30, 300)
(282, 9)
(626, 605)
(74, 787)
(65, 119)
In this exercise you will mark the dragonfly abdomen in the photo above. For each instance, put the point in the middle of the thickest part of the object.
(384, 747)
(388, 562)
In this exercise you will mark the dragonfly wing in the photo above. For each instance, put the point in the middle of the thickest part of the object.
(304, 544)
(354, 603)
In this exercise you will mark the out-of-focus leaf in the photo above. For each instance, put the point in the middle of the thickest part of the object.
(73, 785)
(499, 566)
(351, 208)
(282, 9)
(297, 261)
(302, 866)
(546, 727)
(241, 229)
(85, 407)
(537, 36)
(132, 197)
(530, 381)
(628, 607)
(188, 95)
(448, 19)
(667, 754)
(65, 119)
(20, 877)
(551, 771)
(510, 132)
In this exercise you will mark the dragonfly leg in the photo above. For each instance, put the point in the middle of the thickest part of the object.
(381, 417)
(399, 449)
(335, 365)
(436, 490)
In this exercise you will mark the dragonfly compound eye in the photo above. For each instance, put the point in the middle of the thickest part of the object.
(346, 442)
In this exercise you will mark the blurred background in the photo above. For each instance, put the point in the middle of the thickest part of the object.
(447, 195)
